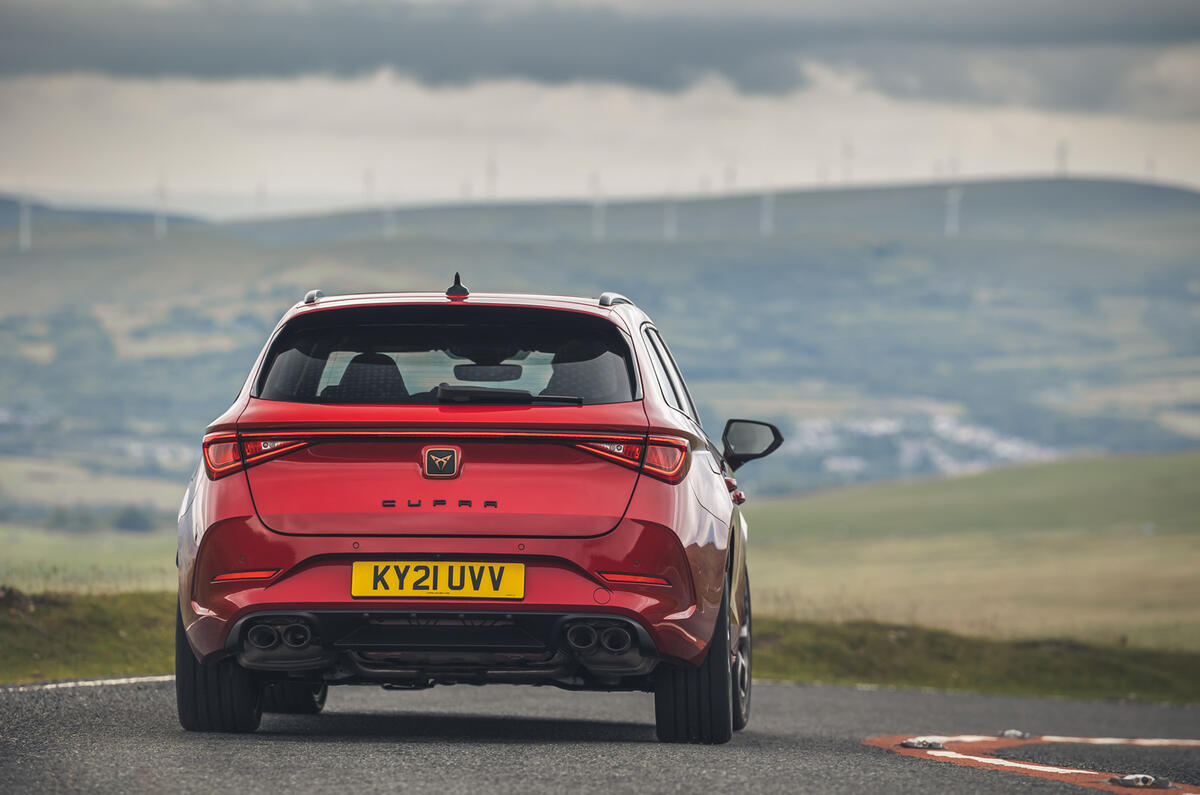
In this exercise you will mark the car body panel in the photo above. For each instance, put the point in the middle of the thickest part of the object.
(518, 473)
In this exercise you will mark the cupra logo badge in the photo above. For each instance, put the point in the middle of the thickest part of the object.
(441, 462)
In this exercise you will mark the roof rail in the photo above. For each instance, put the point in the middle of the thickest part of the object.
(312, 295)
(612, 299)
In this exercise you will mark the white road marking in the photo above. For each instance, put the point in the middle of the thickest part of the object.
(997, 762)
(126, 680)
(1053, 738)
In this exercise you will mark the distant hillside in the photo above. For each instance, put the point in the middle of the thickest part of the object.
(10, 208)
(1063, 316)
(1021, 209)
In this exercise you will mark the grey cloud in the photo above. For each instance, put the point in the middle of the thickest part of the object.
(1068, 54)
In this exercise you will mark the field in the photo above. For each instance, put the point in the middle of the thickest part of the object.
(50, 482)
(36, 560)
(1100, 549)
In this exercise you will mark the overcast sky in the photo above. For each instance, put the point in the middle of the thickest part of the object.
(237, 107)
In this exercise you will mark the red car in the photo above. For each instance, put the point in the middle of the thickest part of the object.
(424, 488)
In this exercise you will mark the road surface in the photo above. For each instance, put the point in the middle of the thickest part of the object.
(124, 737)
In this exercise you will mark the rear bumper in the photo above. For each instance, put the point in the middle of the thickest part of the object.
(561, 581)
(418, 649)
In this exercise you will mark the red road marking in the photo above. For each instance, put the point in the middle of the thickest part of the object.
(973, 750)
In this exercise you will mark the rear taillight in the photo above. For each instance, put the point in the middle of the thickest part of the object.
(661, 456)
(225, 454)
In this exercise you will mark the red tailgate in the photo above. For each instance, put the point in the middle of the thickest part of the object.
(518, 471)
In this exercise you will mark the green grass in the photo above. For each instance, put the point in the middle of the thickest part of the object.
(37, 560)
(122, 634)
(1101, 550)
(1116, 492)
(46, 481)
(69, 636)
(864, 652)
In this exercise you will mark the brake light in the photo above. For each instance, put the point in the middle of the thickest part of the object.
(664, 457)
(224, 454)
(221, 456)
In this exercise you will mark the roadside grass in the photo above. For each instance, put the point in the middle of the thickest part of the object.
(68, 636)
(1099, 550)
(36, 560)
(867, 652)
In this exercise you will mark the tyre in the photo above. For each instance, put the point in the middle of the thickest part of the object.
(695, 704)
(294, 698)
(214, 697)
(743, 680)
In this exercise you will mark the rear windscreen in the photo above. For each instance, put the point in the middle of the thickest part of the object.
(401, 354)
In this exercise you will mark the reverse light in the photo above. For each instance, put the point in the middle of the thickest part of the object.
(258, 574)
(663, 457)
(224, 454)
(623, 452)
(634, 579)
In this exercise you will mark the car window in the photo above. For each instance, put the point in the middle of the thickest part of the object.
(400, 355)
(660, 371)
(676, 376)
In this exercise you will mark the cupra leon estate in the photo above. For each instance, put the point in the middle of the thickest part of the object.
(437, 488)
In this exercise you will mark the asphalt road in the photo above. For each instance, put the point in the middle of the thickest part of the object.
(510, 739)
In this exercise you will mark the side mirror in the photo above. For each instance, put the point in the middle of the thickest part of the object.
(746, 440)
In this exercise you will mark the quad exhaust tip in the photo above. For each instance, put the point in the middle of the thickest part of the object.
(616, 640)
(582, 637)
(297, 636)
(265, 637)
(585, 637)
(262, 636)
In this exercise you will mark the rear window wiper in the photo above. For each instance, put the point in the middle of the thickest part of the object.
(445, 393)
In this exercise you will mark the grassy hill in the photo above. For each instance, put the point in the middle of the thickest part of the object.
(1094, 549)
(1062, 318)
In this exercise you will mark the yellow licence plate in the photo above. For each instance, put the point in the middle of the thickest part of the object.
(438, 579)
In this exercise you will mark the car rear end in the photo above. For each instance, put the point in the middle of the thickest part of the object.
(417, 490)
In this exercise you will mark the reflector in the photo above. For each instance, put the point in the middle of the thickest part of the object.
(638, 579)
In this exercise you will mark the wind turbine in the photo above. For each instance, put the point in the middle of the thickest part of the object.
(670, 218)
(598, 220)
(1062, 153)
(848, 154)
(490, 177)
(766, 212)
(25, 230)
(160, 212)
(954, 196)
(260, 197)
(389, 220)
